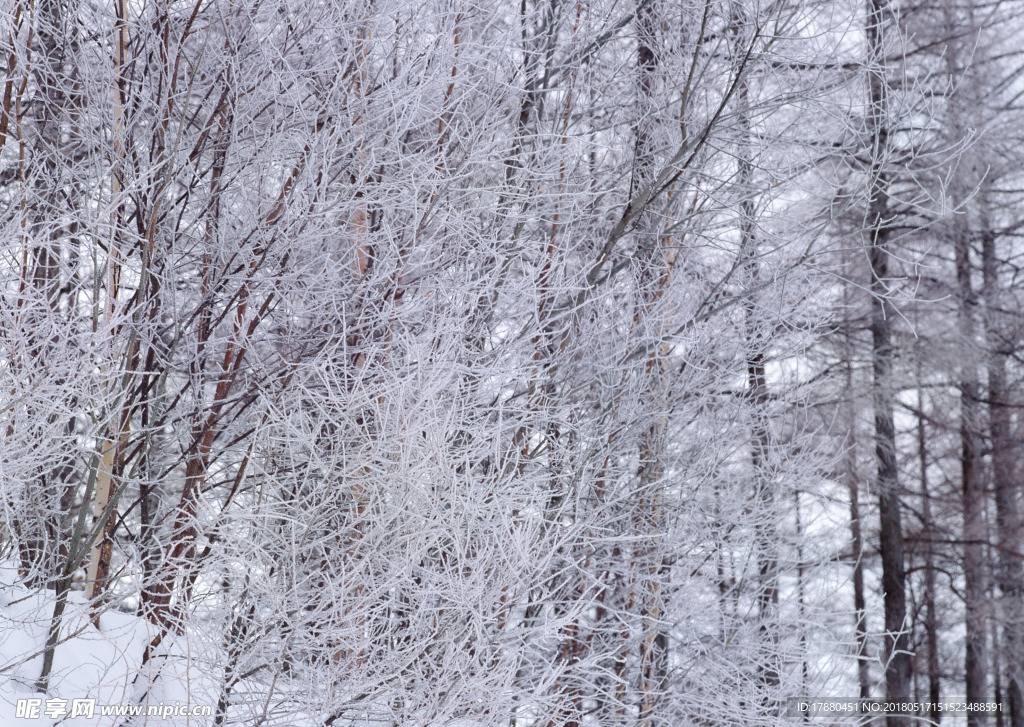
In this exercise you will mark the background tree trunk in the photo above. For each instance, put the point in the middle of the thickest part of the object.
(897, 642)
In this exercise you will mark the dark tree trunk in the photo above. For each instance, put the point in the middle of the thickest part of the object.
(1007, 488)
(856, 535)
(973, 491)
(897, 642)
(930, 617)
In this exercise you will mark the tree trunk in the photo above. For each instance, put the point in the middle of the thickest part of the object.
(1009, 573)
(971, 445)
(897, 642)
(973, 490)
(856, 535)
(651, 566)
(930, 617)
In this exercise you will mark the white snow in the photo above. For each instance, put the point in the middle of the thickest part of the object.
(104, 665)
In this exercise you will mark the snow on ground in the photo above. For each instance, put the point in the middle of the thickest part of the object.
(104, 668)
(98, 667)
(99, 679)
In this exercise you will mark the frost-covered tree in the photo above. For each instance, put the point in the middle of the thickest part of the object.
(430, 361)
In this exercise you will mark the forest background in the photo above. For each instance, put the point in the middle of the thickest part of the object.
(551, 363)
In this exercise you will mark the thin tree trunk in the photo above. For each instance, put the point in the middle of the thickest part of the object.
(856, 536)
(99, 560)
(1009, 525)
(652, 566)
(897, 642)
(972, 467)
(757, 399)
(930, 617)
(859, 606)
(973, 502)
